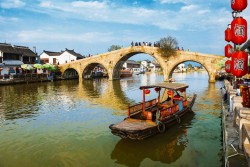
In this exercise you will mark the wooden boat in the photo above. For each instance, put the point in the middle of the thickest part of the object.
(154, 116)
(126, 73)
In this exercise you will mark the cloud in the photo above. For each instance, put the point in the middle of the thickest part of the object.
(90, 4)
(12, 4)
(171, 1)
(50, 35)
(189, 15)
(46, 4)
(8, 19)
(189, 8)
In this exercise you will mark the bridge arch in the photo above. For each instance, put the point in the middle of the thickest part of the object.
(91, 69)
(172, 68)
(70, 73)
(209, 62)
(123, 57)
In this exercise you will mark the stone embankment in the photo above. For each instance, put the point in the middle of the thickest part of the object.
(236, 129)
(28, 78)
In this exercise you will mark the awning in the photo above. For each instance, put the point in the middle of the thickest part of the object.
(12, 62)
(246, 46)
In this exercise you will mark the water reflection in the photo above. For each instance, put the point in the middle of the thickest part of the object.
(24, 101)
(166, 148)
(104, 93)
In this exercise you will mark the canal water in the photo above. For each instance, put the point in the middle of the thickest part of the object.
(65, 123)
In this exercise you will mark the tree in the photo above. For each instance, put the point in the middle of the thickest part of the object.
(168, 46)
(190, 66)
(114, 47)
(221, 64)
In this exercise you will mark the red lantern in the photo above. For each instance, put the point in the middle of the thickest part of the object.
(146, 91)
(157, 89)
(239, 63)
(228, 35)
(238, 5)
(228, 66)
(228, 50)
(170, 93)
(239, 30)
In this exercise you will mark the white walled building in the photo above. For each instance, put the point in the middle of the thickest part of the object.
(60, 57)
(155, 67)
(182, 67)
(150, 66)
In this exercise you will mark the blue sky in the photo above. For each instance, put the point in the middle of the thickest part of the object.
(93, 26)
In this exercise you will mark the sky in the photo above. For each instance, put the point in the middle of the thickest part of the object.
(91, 27)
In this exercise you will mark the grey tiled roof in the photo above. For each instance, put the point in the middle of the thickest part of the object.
(7, 48)
(25, 51)
(50, 53)
(21, 50)
(131, 62)
(74, 53)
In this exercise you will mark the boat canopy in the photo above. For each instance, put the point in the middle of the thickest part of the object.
(167, 85)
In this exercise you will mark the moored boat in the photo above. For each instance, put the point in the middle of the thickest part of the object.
(126, 73)
(154, 116)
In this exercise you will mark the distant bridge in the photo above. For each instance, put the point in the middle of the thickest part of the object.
(113, 61)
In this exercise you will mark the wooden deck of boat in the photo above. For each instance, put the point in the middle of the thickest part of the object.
(131, 124)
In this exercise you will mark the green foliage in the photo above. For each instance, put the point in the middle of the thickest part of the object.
(190, 65)
(168, 46)
(221, 63)
(114, 47)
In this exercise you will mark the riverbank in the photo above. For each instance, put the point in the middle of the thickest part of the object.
(233, 155)
(33, 78)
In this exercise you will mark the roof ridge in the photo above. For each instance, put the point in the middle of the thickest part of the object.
(19, 46)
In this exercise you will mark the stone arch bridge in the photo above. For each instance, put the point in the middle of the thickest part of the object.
(113, 61)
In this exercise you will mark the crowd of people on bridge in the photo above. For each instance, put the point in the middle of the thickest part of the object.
(155, 44)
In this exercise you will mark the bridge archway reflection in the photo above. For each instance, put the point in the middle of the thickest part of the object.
(106, 94)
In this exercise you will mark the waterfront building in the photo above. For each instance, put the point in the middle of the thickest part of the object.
(12, 57)
(59, 57)
(150, 66)
(132, 65)
(182, 67)
(154, 66)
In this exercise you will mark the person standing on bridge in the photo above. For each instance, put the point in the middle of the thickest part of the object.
(132, 43)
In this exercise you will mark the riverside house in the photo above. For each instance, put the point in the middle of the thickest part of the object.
(12, 57)
(62, 57)
(132, 65)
